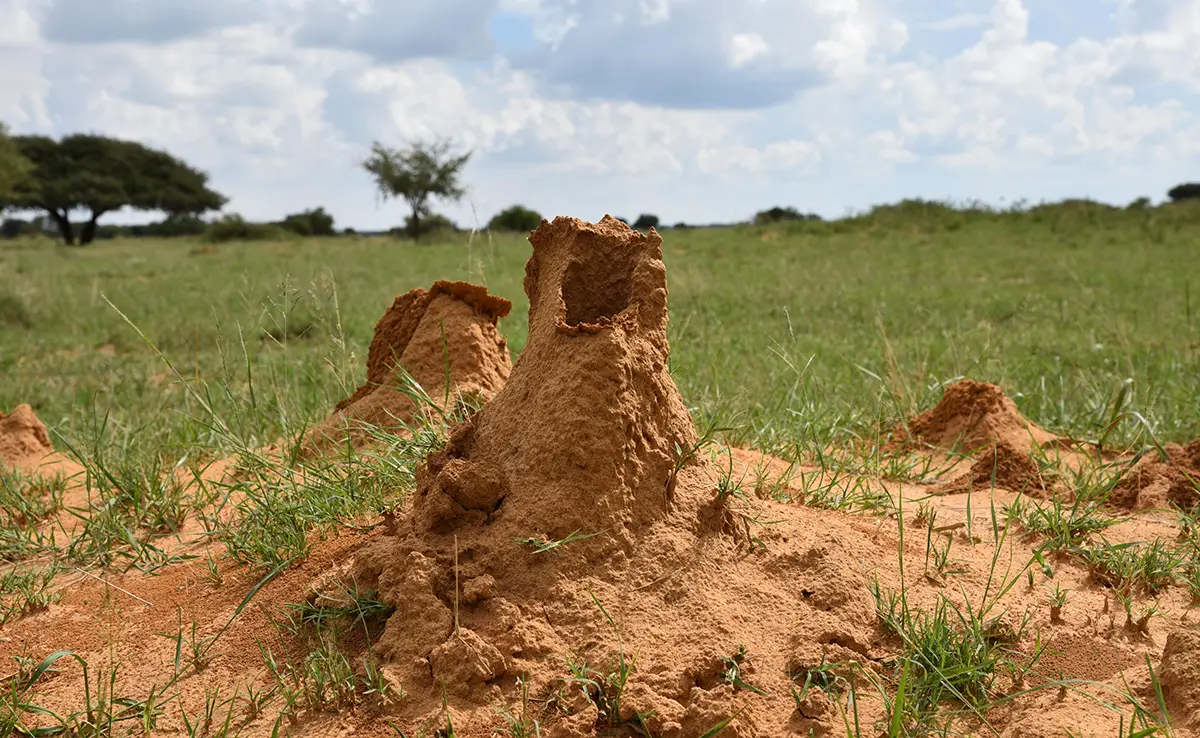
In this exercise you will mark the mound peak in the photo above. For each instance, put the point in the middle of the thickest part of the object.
(24, 440)
(447, 331)
(974, 415)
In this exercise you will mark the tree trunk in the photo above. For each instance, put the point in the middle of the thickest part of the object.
(415, 226)
(64, 227)
(88, 234)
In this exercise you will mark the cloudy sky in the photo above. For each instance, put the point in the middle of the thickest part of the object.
(696, 110)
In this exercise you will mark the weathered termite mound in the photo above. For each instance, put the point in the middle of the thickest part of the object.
(24, 440)
(581, 439)
(447, 332)
(975, 415)
(589, 422)
(1154, 481)
(571, 508)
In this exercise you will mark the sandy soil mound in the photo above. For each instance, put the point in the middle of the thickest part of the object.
(1154, 482)
(572, 498)
(451, 324)
(974, 415)
(1003, 466)
(24, 440)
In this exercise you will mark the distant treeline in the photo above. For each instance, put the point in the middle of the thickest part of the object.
(913, 213)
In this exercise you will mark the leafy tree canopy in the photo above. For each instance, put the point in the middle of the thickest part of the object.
(1186, 191)
(102, 174)
(645, 221)
(14, 167)
(417, 174)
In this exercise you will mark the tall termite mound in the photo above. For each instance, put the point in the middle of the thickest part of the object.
(585, 431)
(447, 332)
(24, 440)
(582, 439)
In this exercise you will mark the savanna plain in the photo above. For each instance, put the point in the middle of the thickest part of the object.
(922, 471)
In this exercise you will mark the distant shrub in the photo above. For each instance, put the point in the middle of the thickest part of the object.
(1142, 203)
(349, 232)
(645, 222)
(310, 223)
(430, 224)
(781, 215)
(15, 228)
(681, 225)
(515, 218)
(1185, 191)
(623, 220)
(233, 227)
(173, 226)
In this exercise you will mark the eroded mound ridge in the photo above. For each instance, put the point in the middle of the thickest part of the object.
(23, 438)
(449, 331)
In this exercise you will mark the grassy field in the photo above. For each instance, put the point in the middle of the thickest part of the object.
(798, 336)
(809, 333)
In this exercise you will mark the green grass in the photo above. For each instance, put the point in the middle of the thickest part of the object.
(807, 333)
(148, 359)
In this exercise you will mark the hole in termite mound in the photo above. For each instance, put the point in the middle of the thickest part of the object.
(597, 287)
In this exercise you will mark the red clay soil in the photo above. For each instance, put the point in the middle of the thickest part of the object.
(24, 440)
(974, 415)
(1157, 482)
(451, 323)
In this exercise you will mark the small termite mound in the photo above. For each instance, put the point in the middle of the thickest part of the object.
(976, 415)
(1005, 467)
(24, 440)
(1161, 478)
(445, 339)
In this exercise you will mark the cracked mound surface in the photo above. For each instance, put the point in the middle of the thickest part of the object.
(449, 328)
(24, 440)
(974, 415)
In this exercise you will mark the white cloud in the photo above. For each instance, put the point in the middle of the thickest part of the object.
(745, 48)
(956, 22)
(698, 110)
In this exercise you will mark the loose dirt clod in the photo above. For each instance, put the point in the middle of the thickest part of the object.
(24, 440)
(974, 415)
(446, 332)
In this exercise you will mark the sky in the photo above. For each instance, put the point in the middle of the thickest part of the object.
(698, 111)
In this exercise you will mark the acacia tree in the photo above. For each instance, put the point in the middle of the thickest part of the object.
(14, 168)
(417, 173)
(101, 174)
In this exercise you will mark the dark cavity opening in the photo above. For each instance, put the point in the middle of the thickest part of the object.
(598, 288)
